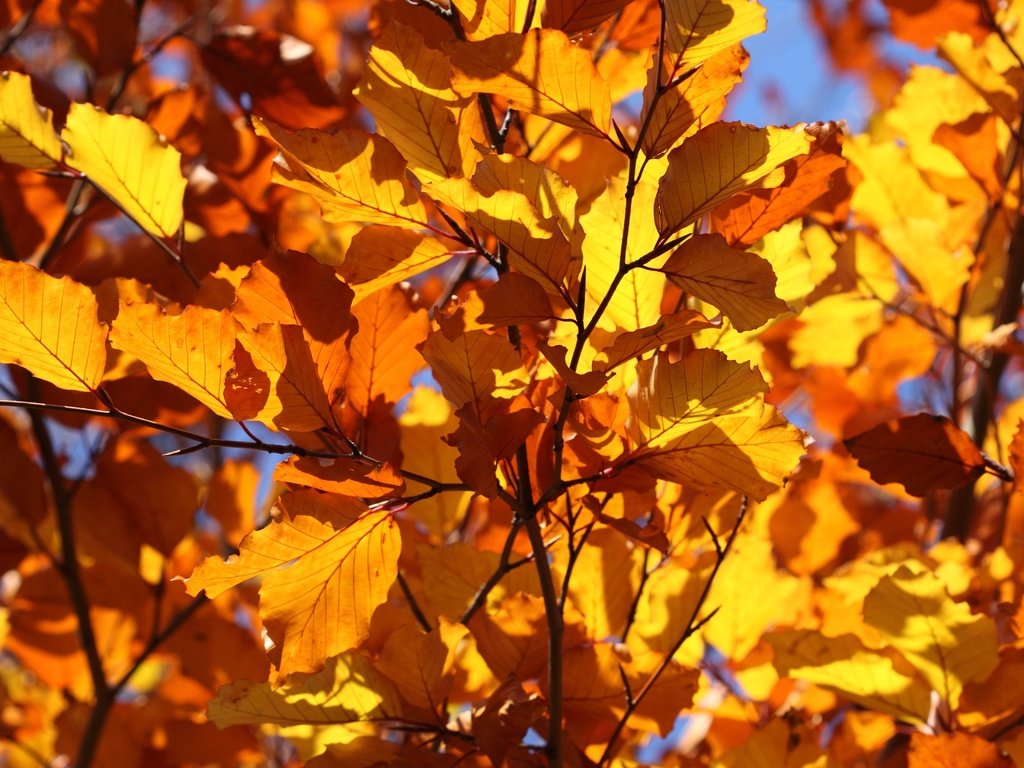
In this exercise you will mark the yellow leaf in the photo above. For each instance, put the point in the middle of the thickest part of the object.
(348, 690)
(133, 166)
(539, 249)
(27, 137)
(193, 350)
(347, 477)
(296, 397)
(698, 29)
(943, 639)
(540, 72)
(353, 175)
(636, 302)
(632, 344)
(719, 161)
(486, 18)
(613, 566)
(923, 248)
(322, 602)
(50, 326)
(551, 195)
(754, 595)
(407, 88)
(379, 257)
(739, 283)
(452, 576)
(842, 664)
(694, 103)
(426, 419)
(703, 421)
(833, 329)
(422, 664)
(892, 188)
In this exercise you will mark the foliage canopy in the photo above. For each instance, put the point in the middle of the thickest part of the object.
(415, 384)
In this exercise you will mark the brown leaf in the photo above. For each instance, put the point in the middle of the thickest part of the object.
(924, 453)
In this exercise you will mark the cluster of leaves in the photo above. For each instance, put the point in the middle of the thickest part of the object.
(460, 441)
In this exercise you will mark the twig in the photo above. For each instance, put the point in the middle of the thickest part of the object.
(414, 606)
(692, 626)
(499, 573)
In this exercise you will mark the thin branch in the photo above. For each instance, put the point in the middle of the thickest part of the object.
(414, 606)
(692, 626)
(19, 27)
(499, 573)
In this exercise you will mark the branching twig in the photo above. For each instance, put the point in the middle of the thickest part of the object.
(692, 626)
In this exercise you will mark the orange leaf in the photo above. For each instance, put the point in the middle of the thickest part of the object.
(923, 453)
(343, 476)
(50, 326)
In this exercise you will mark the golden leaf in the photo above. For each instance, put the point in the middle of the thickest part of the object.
(408, 89)
(193, 350)
(50, 326)
(703, 421)
(539, 72)
(353, 175)
(719, 161)
(943, 639)
(739, 283)
(27, 137)
(133, 166)
(348, 690)
(321, 604)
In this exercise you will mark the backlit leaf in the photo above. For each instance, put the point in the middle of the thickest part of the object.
(126, 158)
(50, 326)
(193, 350)
(321, 603)
(739, 283)
(703, 421)
(844, 665)
(26, 131)
(943, 639)
(353, 175)
(539, 72)
(407, 88)
(348, 690)
(719, 161)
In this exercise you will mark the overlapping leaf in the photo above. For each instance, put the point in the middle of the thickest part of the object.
(407, 88)
(193, 350)
(703, 421)
(338, 571)
(719, 161)
(539, 72)
(353, 175)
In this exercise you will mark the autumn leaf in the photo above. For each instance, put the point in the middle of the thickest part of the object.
(703, 421)
(948, 644)
(26, 131)
(739, 283)
(126, 158)
(349, 689)
(744, 157)
(844, 665)
(539, 72)
(352, 175)
(407, 84)
(193, 350)
(923, 453)
(331, 563)
(50, 326)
